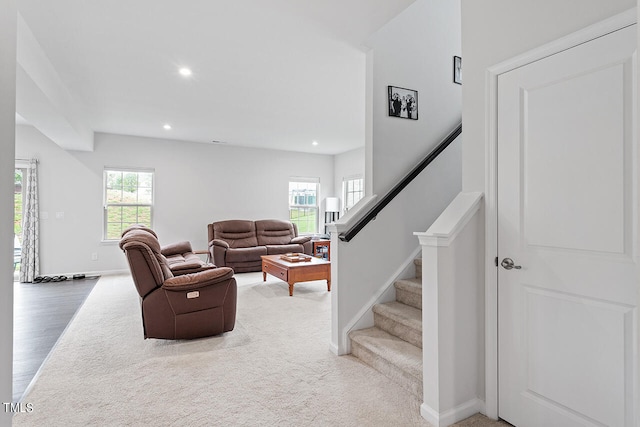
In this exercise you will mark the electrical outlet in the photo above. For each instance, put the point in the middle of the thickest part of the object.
(59, 215)
(94, 256)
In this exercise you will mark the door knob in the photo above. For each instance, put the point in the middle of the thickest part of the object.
(508, 264)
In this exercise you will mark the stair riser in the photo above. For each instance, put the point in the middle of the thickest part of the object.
(410, 335)
(409, 298)
(394, 373)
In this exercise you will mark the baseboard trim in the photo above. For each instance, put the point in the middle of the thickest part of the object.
(111, 272)
(90, 273)
(333, 349)
(453, 415)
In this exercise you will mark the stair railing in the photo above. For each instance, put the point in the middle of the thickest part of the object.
(384, 201)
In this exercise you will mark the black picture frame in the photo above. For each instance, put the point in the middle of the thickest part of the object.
(457, 70)
(402, 103)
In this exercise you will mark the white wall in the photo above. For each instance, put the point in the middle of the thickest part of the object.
(496, 30)
(8, 19)
(195, 184)
(415, 50)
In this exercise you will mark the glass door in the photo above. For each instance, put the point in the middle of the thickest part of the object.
(19, 188)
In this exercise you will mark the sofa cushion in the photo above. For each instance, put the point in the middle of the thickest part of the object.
(274, 232)
(283, 249)
(246, 267)
(245, 254)
(187, 263)
(237, 233)
(176, 248)
(182, 262)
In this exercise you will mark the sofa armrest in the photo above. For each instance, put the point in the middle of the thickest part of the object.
(301, 239)
(176, 248)
(218, 242)
(198, 280)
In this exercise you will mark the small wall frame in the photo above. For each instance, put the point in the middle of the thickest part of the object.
(457, 70)
(403, 103)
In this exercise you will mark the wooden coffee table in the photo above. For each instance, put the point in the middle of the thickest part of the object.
(294, 272)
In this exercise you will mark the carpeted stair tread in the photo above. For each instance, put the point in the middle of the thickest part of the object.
(401, 320)
(413, 284)
(418, 263)
(409, 291)
(393, 357)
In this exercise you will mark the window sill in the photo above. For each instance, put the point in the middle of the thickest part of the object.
(109, 242)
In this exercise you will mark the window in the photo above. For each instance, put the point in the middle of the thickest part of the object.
(128, 200)
(303, 204)
(353, 191)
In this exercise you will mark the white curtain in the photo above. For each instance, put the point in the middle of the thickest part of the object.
(30, 262)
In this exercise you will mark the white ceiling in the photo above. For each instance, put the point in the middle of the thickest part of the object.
(266, 73)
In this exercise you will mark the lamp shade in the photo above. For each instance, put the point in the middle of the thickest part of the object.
(332, 204)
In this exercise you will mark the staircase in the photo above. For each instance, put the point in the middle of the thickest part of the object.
(394, 345)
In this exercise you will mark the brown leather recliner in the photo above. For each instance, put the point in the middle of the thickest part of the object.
(180, 256)
(178, 307)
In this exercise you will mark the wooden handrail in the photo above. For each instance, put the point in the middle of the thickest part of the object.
(377, 208)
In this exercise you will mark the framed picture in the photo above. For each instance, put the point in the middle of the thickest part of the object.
(457, 70)
(403, 103)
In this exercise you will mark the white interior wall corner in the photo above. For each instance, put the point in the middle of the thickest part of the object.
(8, 22)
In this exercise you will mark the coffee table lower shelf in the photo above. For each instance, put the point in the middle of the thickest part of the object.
(294, 272)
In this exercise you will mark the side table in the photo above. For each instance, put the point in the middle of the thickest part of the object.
(322, 249)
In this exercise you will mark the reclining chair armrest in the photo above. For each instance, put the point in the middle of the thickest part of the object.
(301, 239)
(176, 248)
(188, 282)
(209, 262)
(218, 242)
(217, 252)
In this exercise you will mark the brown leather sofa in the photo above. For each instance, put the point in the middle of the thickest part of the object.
(189, 306)
(179, 256)
(239, 244)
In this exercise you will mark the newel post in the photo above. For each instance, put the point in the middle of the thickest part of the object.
(452, 318)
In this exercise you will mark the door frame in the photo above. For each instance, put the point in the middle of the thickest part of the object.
(594, 31)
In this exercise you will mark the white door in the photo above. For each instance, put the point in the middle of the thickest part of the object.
(567, 215)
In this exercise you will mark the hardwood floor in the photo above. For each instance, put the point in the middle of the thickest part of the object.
(41, 312)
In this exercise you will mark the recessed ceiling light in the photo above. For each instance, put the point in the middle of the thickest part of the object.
(314, 143)
(185, 71)
(167, 127)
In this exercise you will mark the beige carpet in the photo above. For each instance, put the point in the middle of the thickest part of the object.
(275, 368)
(479, 420)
